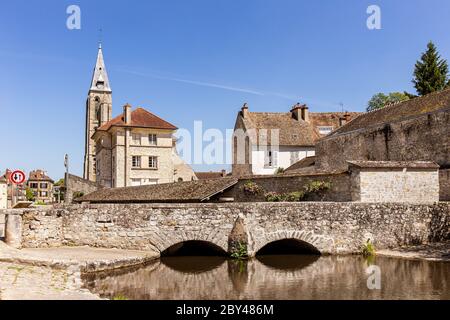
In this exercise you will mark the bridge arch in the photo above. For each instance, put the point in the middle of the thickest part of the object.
(215, 239)
(194, 248)
(314, 243)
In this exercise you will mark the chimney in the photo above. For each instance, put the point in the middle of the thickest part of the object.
(344, 119)
(296, 112)
(300, 112)
(244, 111)
(305, 113)
(127, 114)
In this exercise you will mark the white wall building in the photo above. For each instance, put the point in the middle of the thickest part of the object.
(266, 141)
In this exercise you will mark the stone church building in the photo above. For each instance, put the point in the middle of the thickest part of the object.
(135, 148)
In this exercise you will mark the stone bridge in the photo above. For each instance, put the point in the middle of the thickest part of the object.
(329, 228)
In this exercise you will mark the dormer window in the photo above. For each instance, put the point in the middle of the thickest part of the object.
(325, 130)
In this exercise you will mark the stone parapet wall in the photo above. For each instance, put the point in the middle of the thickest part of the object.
(339, 192)
(332, 228)
(77, 184)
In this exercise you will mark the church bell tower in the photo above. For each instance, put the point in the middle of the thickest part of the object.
(98, 112)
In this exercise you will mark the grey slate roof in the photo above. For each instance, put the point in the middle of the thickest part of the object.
(189, 191)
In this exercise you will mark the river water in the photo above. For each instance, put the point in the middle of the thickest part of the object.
(287, 277)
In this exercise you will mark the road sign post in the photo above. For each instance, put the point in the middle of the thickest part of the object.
(16, 178)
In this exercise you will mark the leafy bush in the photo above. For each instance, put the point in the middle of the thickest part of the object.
(240, 253)
(279, 171)
(285, 197)
(251, 188)
(78, 194)
(317, 186)
(313, 187)
(29, 194)
(368, 249)
(120, 297)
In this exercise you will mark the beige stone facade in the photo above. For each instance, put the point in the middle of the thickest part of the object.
(136, 149)
(41, 185)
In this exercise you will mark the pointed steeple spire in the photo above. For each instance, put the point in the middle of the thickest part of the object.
(100, 81)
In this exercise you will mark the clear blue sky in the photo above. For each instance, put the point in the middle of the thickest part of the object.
(268, 53)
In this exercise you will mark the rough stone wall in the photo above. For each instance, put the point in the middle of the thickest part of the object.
(395, 185)
(329, 227)
(444, 185)
(422, 138)
(77, 184)
(2, 225)
(340, 187)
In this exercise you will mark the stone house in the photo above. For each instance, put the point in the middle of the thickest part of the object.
(264, 142)
(137, 148)
(41, 185)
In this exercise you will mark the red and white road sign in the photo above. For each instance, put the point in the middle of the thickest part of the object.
(17, 177)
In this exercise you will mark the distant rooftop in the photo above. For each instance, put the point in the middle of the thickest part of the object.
(39, 175)
(210, 175)
(293, 132)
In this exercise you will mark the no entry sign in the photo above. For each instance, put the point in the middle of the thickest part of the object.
(17, 177)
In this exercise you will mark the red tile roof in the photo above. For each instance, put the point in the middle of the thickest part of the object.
(140, 118)
(39, 175)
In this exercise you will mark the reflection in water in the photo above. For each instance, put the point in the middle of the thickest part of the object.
(193, 264)
(288, 262)
(275, 277)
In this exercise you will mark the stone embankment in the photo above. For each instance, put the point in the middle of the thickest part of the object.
(55, 273)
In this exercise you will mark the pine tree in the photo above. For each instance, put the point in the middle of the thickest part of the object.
(431, 72)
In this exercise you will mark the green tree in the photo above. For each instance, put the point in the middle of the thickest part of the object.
(380, 100)
(60, 182)
(29, 194)
(431, 72)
